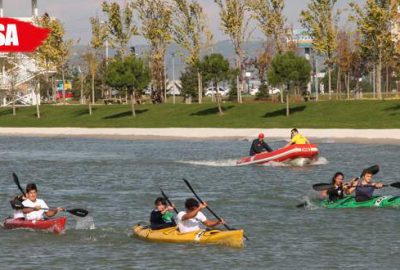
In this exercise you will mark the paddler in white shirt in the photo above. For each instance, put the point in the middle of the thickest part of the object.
(193, 219)
(34, 208)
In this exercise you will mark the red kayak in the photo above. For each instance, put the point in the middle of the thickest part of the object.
(55, 225)
(297, 151)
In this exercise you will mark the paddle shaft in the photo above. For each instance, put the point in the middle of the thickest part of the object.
(168, 201)
(208, 208)
(75, 212)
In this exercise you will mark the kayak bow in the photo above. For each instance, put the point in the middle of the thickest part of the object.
(55, 225)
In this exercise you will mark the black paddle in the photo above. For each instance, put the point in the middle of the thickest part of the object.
(168, 201)
(16, 181)
(324, 186)
(76, 212)
(208, 208)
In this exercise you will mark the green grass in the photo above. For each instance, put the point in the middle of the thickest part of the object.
(334, 114)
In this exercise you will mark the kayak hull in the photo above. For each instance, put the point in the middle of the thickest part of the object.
(306, 152)
(55, 225)
(232, 238)
(375, 202)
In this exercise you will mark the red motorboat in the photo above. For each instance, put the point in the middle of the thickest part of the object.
(305, 152)
(55, 225)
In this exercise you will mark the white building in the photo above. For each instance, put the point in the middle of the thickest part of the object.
(19, 69)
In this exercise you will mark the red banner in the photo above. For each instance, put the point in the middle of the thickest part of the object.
(19, 36)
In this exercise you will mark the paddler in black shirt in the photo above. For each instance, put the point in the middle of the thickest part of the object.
(339, 190)
(259, 146)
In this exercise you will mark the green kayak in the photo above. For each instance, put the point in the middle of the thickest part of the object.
(350, 202)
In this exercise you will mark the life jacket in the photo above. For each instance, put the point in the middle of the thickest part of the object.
(335, 193)
(364, 193)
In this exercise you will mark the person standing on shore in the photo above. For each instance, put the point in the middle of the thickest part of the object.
(296, 138)
(259, 145)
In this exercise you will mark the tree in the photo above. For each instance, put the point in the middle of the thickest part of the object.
(189, 81)
(374, 26)
(343, 61)
(92, 63)
(262, 64)
(52, 52)
(120, 27)
(191, 34)
(235, 23)
(99, 37)
(156, 26)
(215, 69)
(131, 74)
(321, 23)
(290, 70)
(271, 20)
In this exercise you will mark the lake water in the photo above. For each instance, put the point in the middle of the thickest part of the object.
(117, 181)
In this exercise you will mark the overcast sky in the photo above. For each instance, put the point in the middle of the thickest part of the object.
(75, 14)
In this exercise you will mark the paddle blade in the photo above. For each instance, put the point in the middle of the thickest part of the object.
(374, 169)
(395, 185)
(16, 181)
(322, 186)
(78, 212)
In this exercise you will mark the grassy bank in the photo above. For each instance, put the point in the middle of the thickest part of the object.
(350, 114)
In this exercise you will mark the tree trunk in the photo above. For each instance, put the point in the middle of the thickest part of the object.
(338, 83)
(54, 89)
(37, 100)
(93, 98)
(218, 100)
(329, 83)
(63, 88)
(374, 81)
(379, 77)
(287, 103)
(90, 106)
(200, 87)
(47, 81)
(164, 85)
(13, 103)
(348, 85)
(82, 99)
(238, 77)
(387, 78)
(133, 103)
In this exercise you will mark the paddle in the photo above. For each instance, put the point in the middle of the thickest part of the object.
(79, 212)
(324, 186)
(208, 208)
(76, 212)
(16, 181)
(168, 201)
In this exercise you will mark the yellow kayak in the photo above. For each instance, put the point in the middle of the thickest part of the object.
(232, 238)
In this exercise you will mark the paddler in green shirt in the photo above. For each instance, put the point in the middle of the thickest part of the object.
(161, 216)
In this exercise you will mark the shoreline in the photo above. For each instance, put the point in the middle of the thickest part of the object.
(368, 136)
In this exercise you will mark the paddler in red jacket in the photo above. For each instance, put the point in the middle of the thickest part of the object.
(259, 146)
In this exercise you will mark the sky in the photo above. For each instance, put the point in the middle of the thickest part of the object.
(75, 14)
